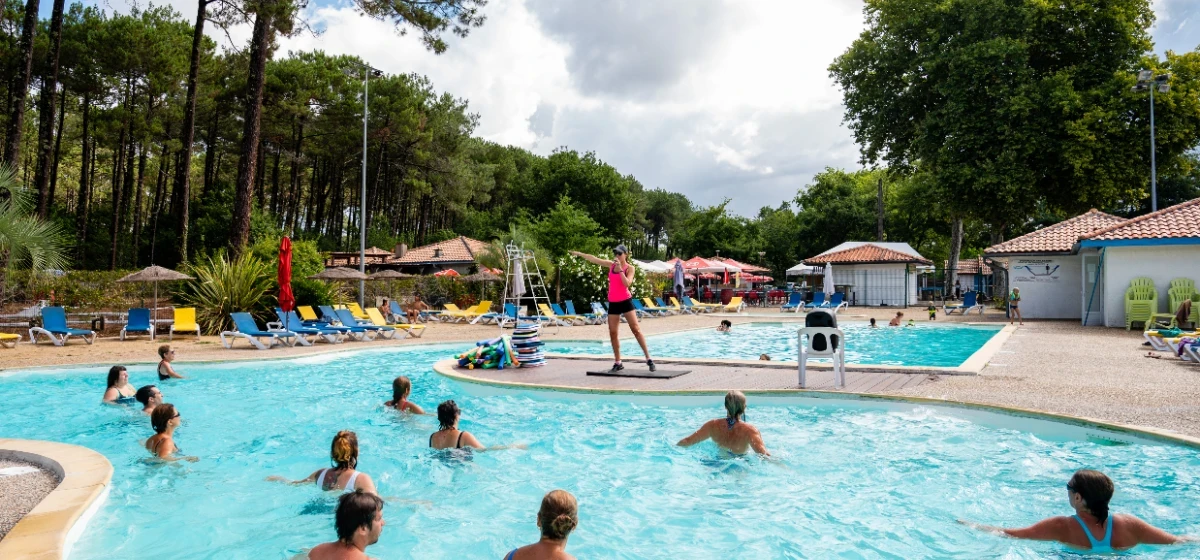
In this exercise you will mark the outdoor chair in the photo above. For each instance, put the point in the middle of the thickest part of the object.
(248, 330)
(9, 340)
(1141, 303)
(138, 322)
(822, 342)
(54, 326)
(652, 306)
(795, 303)
(185, 321)
(592, 318)
(350, 320)
(357, 311)
(409, 329)
(969, 303)
(817, 302)
(291, 322)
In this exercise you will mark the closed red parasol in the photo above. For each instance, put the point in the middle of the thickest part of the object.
(287, 301)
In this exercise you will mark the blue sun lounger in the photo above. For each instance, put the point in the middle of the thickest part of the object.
(248, 329)
(347, 318)
(291, 322)
(817, 302)
(54, 326)
(139, 322)
(592, 317)
(357, 331)
(970, 303)
(795, 302)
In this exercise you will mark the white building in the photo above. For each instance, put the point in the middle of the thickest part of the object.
(874, 274)
(1080, 268)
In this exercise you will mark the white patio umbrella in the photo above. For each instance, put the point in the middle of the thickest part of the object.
(828, 279)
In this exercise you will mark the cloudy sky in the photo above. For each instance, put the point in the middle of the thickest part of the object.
(712, 98)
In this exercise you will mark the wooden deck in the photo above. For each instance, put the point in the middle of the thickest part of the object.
(572, 374)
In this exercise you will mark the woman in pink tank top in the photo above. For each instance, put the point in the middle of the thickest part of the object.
(620, 301)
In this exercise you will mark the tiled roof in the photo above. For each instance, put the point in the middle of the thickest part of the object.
(1058, 238)
(1181, 220)
(865, 254)
(971, 266)
(458, 250)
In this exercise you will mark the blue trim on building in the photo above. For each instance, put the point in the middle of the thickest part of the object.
(1140, 242)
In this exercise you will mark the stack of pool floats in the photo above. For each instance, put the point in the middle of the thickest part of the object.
(523, 350)
(528, 344)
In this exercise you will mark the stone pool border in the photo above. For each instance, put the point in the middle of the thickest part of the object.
(973, 365)
(446, 368)
(50, 529)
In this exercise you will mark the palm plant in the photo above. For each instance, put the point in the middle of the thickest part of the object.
(223, 286)
(25, 239)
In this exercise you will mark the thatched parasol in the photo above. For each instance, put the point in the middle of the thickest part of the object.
(339, 273)
(156, 274)
(389, 275)
(482, 277)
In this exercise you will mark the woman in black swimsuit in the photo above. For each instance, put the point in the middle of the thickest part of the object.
(449, 436)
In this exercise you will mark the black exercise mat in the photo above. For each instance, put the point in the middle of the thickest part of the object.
(660, 374)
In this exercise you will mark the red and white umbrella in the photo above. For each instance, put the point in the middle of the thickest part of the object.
(447, 272)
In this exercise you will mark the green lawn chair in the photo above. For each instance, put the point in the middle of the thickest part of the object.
(1141, 304)
(1141, 282)
(1183, 283)
(1177, 295)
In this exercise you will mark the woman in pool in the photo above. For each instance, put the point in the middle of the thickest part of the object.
(732, 432)
(873, 325)
(557, 518)
(166, 355)
(1092, 527)
(620, 301)
(150, 397)
(401, 388)
(343, 452)
(165, 419)
(724, 326)
(119, 390)
(449, 436)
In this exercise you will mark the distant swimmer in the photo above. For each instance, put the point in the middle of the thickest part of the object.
(1092, 527)
(731, 433)
(343, 453)
(449, 436)
(401, 389)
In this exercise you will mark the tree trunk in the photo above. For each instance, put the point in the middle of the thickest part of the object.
(137, 207)
(20, 86)
(255, 80)
(156, 206)
(81, 204)
(210, 154)
(181, 191)
(41, 176)
(62, 118)
(956, 235)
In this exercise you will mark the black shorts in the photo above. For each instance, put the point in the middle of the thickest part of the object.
(620, 307)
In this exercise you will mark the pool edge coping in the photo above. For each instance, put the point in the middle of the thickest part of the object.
(446, 369)
(51, 528)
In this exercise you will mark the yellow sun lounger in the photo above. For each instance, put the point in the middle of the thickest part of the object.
(9, 340)
(377, 319)
(307, 313)
(357, 311)
(564, 320)
(185, 321)
(709, 306)
(651, 306)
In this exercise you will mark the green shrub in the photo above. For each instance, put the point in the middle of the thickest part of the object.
(316, 292)
(306, 258)
(223, 286)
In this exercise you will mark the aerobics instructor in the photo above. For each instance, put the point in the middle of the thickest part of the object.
(620, 301)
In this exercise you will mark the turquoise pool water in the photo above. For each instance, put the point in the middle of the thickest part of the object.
(851, 480)
(924, 344)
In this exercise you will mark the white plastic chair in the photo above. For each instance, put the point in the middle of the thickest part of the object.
(822, 342)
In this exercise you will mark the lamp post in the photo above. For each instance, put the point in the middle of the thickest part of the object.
(367, 72)
(1147, 81)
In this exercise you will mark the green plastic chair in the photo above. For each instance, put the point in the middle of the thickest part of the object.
(1141, 281)
(1141, 303)
(1183, 283)
(1177, 295)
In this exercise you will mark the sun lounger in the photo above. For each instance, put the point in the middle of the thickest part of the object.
(709, 307)
(969, 303)
(556, 311)
(689, 307)
(795, 303)
(248, 329)
(354, 330)
(185, 321)
(348, 319)
(54, 326)
(291, 322)
(9, 340)
(138, 322)
(641, 310)
(409, 329)
(817, 302)
(590, 318)
(735, 305)
(357, 311)
(651, 305)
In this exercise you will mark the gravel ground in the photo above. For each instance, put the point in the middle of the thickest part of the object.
(20, 493)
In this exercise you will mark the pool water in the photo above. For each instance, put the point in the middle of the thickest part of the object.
(848, 480)
(923, 344)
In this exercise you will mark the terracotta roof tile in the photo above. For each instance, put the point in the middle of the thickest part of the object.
(1058, 238)
(971, 266)
(865, 254)
(1181, 220)
(458, 250)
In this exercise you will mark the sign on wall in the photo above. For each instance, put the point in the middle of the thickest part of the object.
(1036, 270)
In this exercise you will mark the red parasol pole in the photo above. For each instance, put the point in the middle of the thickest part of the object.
(287, 301)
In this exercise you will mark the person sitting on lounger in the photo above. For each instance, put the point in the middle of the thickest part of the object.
(415, 308)
(150, 397)
(556, 519)
(449, 436)
(166, 355)
(119, 390)
(359, 522)
(731, 433)
(343, 453)
(895, 322)
(165, 419)
(1092, 527)
(724, 326)
(401, 388)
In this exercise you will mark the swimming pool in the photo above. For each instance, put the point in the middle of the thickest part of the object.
(851, 480)
(923, 344)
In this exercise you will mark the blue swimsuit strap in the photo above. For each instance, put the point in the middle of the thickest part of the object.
(510, 554)
(1106, 542)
